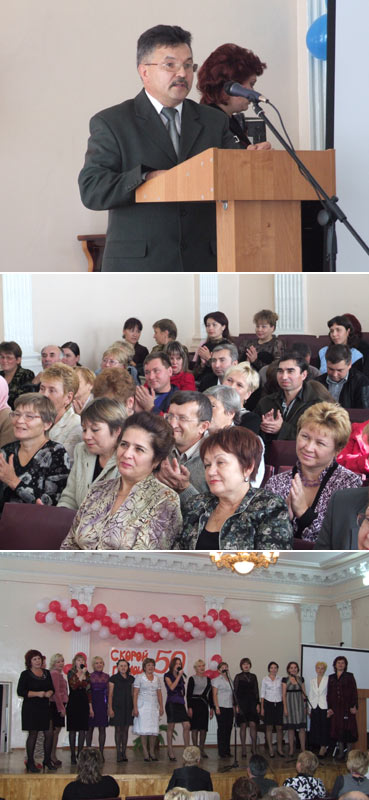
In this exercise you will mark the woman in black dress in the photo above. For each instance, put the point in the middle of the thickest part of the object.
(120, 706)
(248, 704)
(199, 705)
(175, 706)
(79, 707)
(36, 687)
(343, 705)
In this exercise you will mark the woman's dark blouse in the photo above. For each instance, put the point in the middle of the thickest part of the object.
(106, 787)
(44, 477)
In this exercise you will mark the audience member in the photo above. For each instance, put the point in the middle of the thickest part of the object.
(229, 62)
(6, 426)
(132, 330)
(348, 387)
(95, 457)
(322, 431)
(119, 354)
(306, 786)
(33, 467)
(281, 793)
(216, 324)
(301, 349)
(189, 416)
(71, 354)
(341, 524)
(281, 410)
(165, 331)
(246, 789)
(357, 765)
(245, 380)
(233, 514)
(222, 358)
(257, 769)
(178, 356)
(361, 344)
(267, 347)
(355, 456)
(134, 511)
(90, 782)
(341, 331)
(116, 384)
(191, 776)
(84, 394)
(60, 384)
(15, 375)
(354, 796)
(156, 394)
(50, 354)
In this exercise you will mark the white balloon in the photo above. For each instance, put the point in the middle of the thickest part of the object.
(223, 630)
(170, 636)
(138, 638)
(72, 612)
(147, 622)
(96, 625)
(78, 621)
(157, 626)
(187, 626)
(50, 617)
(195, 633)
(65, 604)
(115, 616)
(218, 625)
(86, 627)
(131, 621)
(164, 633)
(209, 620)
(213, 665)
(41, 605)
(201, 635)
(123, 623)
(179, 620)
(104, 632)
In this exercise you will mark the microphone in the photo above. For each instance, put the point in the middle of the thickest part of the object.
(237, 90)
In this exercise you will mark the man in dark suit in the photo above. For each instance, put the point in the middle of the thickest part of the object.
(133, 142)
(343, 521)
(191, 776)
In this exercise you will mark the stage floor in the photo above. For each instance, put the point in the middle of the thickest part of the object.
(138, 778)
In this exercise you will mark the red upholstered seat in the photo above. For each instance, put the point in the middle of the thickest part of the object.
(26, 526)
(300, 544)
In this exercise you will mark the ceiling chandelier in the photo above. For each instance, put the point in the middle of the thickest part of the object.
(244, 561)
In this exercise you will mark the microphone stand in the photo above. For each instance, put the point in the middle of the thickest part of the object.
(330, 213)
(235, 703)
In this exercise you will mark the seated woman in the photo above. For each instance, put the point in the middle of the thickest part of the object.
(90, 782)
(33, 467)
(304, 783)
(355, 455)
(134, 511)
(322, 431)
(233, 514)
(84, 394)
(341, 331)
(95, 458)
(60, 383)
(266, 347)
(15, 375)
(6, 426)
(226, 405)
(132, 330)
(71, 354)
(245, 380)
(217, 330)
(355, 780)
(117, 384)
(120, 355)
(229, 62)
(178, 356)
(360, 343)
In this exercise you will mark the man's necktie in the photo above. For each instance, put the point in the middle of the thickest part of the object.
(170, 114)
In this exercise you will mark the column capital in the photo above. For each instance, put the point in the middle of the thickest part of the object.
(345, 609)
(309, 611)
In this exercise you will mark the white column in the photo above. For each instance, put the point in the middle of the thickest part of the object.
(213, 646)
(81, 641)
(308, 617)
(290, 302)
(18, 316)
(345, 611)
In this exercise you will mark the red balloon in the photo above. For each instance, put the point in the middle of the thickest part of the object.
(186, 617)
(106, 620)
(186, 636)
(202, 626)
(195, 621)
(122, 634)
(54, 605)
(124, 615)
(89, 616)
(75, 603)
(100, 611)
(140, 628)
(40, 616)
(154, 617)
(213, 613)
(82, 609)
(155, 636)
(236, 626)
(114, 628)
(164, 621)
(210, 633)
(60, 616)
(216, 658)
(67, 625)
(130, 633)
(66, 668)
(172, 627)
(223, 615)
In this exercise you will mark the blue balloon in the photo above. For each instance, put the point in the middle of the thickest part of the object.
(316, 38)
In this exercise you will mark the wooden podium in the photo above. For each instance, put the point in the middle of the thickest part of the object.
(361, 719)
(258, 198)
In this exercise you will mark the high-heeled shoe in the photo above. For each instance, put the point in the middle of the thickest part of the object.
(49, 765)
(152, 758)
(172, 758)
(281, 755)
(57, 762)
(31, 766)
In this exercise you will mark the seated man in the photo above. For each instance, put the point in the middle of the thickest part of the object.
(348, 387)
(346, 523)
(301, 349)
(280, 410)
(156, 394)
(16, 376)
(189, 415)
(60, 383)
(132, 329)
(222, 357)
(165, 331)
(117, 384)
(50, 354)
(191, 776)
(257, 768)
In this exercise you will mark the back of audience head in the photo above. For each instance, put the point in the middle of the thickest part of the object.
(86, 379)
(176, 353)
(307, 762)
(258, 765)
(226, 405)
(358, 761)
(50, 354)
(282, 793)
(165, 330)
(117, 384)
(245, 789)
(216, 332)
(191, 755)
(303, 350)
(354, 795)
(328, 417)
(89, 765)
(178, 793)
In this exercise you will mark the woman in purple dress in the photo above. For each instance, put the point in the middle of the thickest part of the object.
(99, 692)
(175, 706)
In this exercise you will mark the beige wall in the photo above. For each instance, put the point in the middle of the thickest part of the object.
(62, 62)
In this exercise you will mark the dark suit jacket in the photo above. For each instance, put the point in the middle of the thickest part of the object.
(355, 392)
(340, 529)
(192, 778)
(274, 401)
(128, 140)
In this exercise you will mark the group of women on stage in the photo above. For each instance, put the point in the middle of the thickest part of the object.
(95, 700)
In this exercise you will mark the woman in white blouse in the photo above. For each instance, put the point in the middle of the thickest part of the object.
(319, 728)
(272, 707)
(223, 704)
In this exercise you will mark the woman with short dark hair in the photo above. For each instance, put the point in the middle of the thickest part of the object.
(294, 704)
(233, 514)
(147, 707)
(248, 704)
(36, 687)
(120, 706)
(342, 705)
(71, 354)
(175, 706)
(272, 707)
(15, 375)
(90, 783)
(134, 511)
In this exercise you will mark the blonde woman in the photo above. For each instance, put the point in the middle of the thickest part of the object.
(245, 380)
(319, 726)
(200, 704)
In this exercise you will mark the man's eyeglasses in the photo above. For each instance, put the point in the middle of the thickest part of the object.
(174, 66)
(180, 417)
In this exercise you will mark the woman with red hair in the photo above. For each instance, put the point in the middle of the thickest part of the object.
(229, 62)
